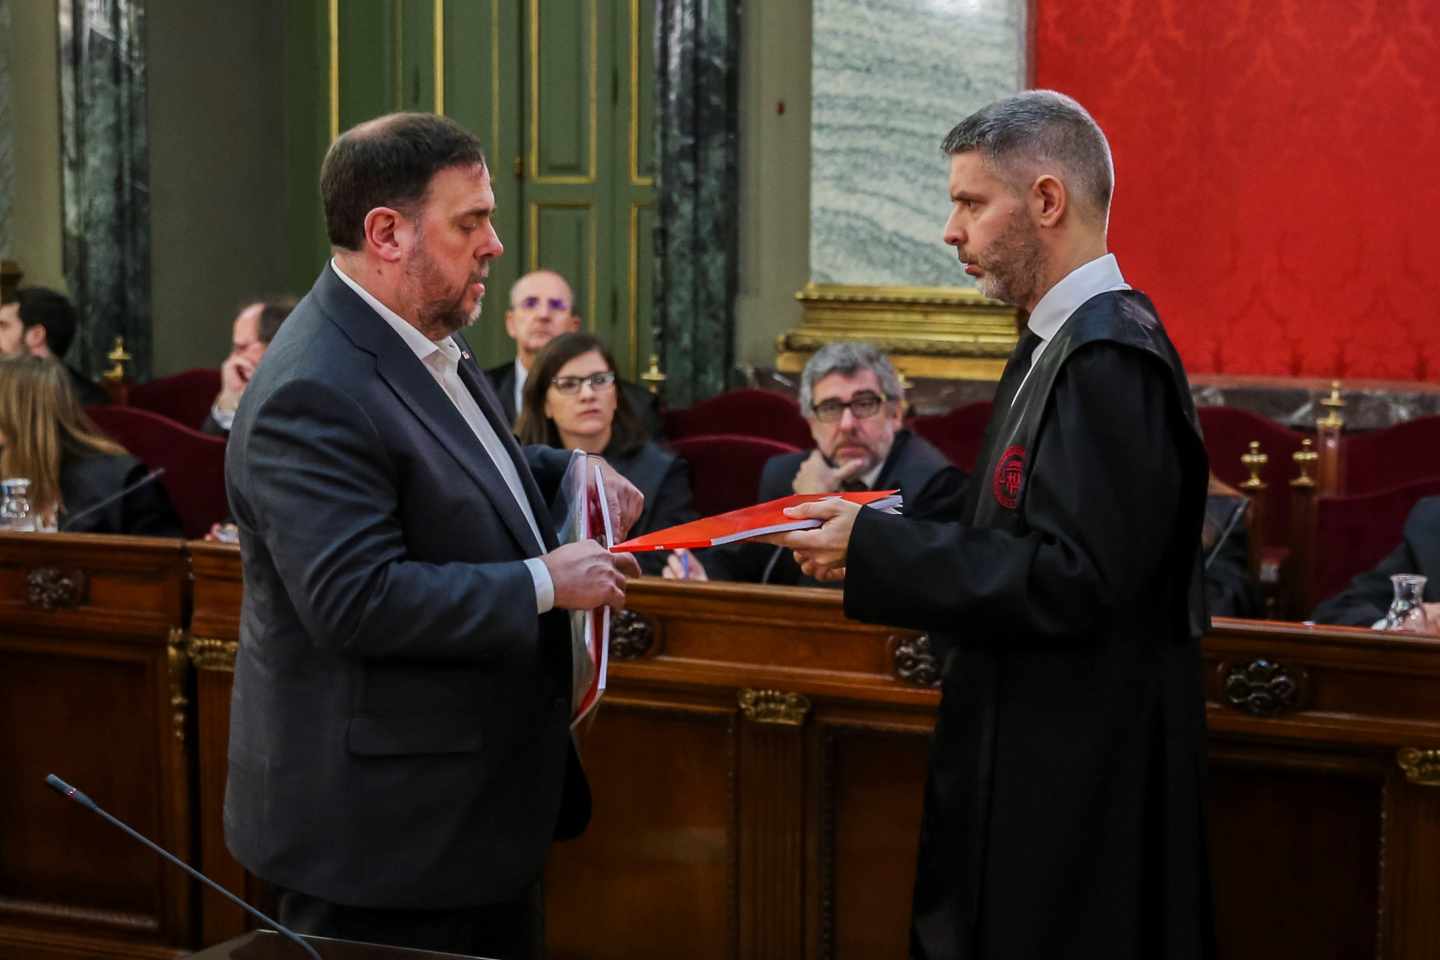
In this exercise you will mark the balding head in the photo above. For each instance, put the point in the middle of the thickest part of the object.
(542, 307)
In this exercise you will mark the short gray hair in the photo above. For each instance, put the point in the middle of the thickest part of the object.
(848, 357)
(1037, 127)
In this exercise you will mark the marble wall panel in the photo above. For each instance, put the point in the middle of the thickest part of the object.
(891, 77)
(7, 133)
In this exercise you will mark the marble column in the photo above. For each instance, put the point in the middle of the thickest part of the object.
(891, 77)
(7, 136)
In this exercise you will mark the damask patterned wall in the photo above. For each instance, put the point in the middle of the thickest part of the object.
(1276, 189)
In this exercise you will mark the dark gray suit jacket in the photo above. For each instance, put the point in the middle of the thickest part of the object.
(399, 731)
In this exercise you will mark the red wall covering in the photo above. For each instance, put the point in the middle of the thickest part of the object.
(1277, 172)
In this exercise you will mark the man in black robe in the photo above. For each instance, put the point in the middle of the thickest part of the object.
(851, 397)
(1064, 812)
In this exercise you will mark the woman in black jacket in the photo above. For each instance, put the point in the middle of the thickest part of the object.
(570, 401)
(70, 464)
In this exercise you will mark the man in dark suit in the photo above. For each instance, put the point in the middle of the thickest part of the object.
(851, 397)
(542, 306)
(255, 326)
(1366, 599)
(1065, 806)
(400, 751)
(43, 323)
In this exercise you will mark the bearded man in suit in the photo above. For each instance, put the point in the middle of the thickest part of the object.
(400, 750)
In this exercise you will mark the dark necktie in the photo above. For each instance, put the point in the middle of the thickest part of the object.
(1015, 370)
(853, 485)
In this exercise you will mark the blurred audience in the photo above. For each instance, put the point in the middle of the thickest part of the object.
(1366, 600)
(542, 307)
(43, 323)
(255, 326)
(851, 397)
(72, 467)
(571, 401)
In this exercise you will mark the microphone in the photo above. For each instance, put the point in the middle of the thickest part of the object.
(63, 788)
(1233, 519)
(150, 477)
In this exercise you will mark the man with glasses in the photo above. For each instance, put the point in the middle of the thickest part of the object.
(542, 306)
(850, 395)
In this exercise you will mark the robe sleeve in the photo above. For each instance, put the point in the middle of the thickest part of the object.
(1100, 503)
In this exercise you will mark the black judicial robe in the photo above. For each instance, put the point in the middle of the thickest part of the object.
(1064, 808)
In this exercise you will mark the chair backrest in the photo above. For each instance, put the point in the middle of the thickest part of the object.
(184, 397)
(958, 433)
(194, 463)
(725, 468)
(1228, 433)
(1353, 532)
(1383, 459)
(747, 411)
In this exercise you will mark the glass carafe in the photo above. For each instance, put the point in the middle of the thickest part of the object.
(1407, 610)
(15, 510)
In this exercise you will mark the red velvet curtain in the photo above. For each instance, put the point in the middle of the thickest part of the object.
(1278, 173)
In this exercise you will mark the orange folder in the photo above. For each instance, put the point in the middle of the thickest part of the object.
(747, 522)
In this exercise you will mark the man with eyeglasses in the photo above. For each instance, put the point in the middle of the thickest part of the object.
(542, 306)
(851, 397)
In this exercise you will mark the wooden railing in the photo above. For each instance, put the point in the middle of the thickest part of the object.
(757, 768)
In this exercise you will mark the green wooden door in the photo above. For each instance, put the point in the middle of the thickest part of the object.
(560, 92)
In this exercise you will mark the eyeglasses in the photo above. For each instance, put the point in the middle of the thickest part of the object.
(554, 303)
(862, 405)
(599, 382)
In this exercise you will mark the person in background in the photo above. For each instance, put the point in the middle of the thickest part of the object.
(571, 401)
(71, 465)
(1231, 590)
(851, 397)
(255, 326)
(542, 306)
(1366, 599)
(43, 323)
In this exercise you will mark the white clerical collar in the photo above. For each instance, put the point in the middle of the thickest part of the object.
(421, 345)
(1060, 301)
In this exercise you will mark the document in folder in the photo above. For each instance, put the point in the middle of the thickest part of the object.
(748, 522)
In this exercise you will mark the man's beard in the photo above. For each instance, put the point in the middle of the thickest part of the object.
(442, 315)
(1012, 264)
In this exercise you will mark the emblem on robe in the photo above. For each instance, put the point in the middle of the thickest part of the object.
(1009, 476)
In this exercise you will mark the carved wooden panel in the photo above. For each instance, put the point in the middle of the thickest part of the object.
(871, 784)
(655, 873)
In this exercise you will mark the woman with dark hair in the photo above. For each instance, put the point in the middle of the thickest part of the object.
(570, 401)
(70, 464)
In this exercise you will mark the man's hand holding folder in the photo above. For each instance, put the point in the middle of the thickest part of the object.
(820, 551)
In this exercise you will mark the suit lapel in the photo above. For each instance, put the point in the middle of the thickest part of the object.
(479, 386)
(419, 391)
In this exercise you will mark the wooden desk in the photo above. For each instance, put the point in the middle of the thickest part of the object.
(94, 687)
(758, 761)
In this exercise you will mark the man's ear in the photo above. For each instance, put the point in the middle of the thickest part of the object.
(388, 233)
(510, 324)
(1048, 200)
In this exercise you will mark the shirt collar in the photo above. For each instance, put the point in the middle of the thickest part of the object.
(521, 374)
(419, 344)
(1077, 286)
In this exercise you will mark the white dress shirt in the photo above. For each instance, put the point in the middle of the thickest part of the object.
(521, 375)
(442, 360)
(1101, 275)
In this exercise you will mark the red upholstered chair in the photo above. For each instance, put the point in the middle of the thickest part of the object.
(725, 468)
(751, 412)
(1382, 459)
(958, 433)
(185, 397)
(194, 462)
(1355, 532)
(1228, 434)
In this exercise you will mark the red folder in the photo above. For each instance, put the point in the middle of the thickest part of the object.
(748, 522)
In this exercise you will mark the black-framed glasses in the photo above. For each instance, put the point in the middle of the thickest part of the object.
(599, 382)
(557, 304)
(862, 405)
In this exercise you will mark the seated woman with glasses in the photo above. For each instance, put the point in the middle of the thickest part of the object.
(570, 401)
(72, 467)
